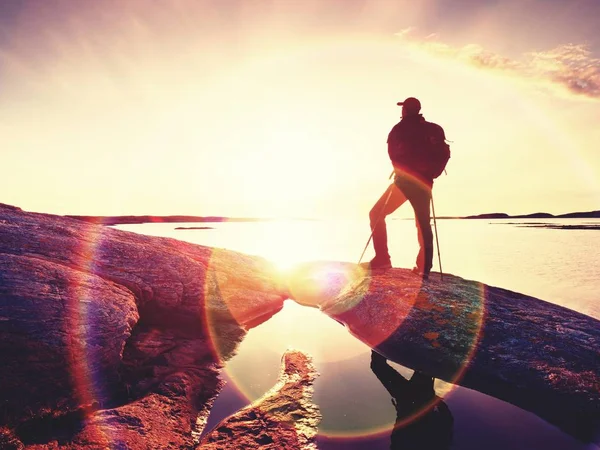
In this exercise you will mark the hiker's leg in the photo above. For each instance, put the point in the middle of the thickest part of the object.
(421, 392)
(420, 199)
(391, 380)
(389, 202)
(423, 383)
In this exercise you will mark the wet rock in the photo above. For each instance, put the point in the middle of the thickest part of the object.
(114, 339)
(284, 418)
(536, 355)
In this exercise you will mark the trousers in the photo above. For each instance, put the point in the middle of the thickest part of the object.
(419, 195)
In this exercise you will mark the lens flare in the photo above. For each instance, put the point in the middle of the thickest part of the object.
(316, 284)
(374, 309)
(88, 389)
(385, 310)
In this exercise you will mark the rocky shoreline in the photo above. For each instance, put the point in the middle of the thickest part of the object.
(113, 338)
(110, 338)
(536, 355)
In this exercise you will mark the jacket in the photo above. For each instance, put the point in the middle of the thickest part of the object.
(407, 143)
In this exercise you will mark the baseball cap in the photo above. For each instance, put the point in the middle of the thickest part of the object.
(411, 104)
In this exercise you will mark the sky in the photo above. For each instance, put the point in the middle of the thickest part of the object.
(282, 108)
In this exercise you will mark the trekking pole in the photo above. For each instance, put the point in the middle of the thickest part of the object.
(437, 242)
(377, 221)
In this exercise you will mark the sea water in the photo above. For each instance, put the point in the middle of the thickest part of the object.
(557, 265)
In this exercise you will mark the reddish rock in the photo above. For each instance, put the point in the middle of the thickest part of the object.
(284, 418)
(541, 357)
(113, 339)
(60, 343)
(110, 338)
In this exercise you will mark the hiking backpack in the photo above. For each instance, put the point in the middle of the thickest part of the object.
(438, 151)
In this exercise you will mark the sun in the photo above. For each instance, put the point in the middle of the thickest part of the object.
(288, 242)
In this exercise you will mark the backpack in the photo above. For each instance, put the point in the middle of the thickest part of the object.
(438, 151)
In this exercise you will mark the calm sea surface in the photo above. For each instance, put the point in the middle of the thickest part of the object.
(557, 265)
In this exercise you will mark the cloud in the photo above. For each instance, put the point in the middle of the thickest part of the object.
(570, 68)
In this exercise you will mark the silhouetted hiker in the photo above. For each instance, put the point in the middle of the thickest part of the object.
(419, 154)
(423, 420)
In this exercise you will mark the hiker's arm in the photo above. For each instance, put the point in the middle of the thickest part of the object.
(395, 150)
(394, 154)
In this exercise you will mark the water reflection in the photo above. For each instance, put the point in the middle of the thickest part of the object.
(423, 420)
(355, 403)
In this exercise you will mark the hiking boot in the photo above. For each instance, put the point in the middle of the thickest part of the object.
(424, 274)
(380, 264)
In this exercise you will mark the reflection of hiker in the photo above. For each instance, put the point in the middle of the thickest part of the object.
(419, 154)
(423, 420)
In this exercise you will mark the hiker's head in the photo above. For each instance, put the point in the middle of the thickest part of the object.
(410, 107)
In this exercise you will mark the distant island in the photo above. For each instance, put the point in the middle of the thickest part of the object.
(128, 220)
(554, 226)
(538, 215)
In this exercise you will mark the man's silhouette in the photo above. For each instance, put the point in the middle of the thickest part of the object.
(415, 167)
(423, 420)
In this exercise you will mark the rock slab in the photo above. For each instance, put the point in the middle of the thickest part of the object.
(541, 357)
(115, 339)
(284, 418)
